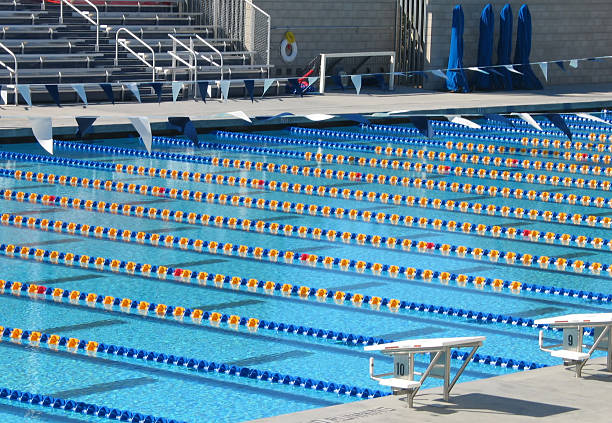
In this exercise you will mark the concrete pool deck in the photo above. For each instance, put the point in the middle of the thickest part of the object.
(551, 394)
(113, 118)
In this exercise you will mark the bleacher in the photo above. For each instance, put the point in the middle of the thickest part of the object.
(51, 50)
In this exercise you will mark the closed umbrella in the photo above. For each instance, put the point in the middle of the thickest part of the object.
(528, 80)
(455, 76)
(504, 47)
(485, 48)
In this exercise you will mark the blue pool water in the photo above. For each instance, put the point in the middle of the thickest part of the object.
(184, 394)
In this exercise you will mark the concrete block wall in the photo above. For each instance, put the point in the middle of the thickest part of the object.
(328, 26)
(561, 29)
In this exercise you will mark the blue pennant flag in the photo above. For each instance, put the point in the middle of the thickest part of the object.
(108, 90)
(54, 93)
(85, 124)
(499, 118)
(280, 115)
(381, 80)
(157, 87)
(558, 121)
(560, 64)
(249, 84)
(203, 87)
(423, 124)
(357, 118)
(185, 125)
(338, 81)
(494, 71)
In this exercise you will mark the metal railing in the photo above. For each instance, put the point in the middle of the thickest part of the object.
(139, 56)
(84, 14)
(209, 58)
(241, 21)
(14, 71)
(192, 65)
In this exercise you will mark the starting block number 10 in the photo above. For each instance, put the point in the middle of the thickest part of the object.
(571, 339)
(401, 366)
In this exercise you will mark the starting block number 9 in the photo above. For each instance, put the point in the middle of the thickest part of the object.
(571, 339)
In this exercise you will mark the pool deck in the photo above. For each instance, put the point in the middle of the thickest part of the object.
(546, 395)
(113, 118)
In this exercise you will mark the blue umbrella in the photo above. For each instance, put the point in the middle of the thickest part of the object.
(504, 48)
(455, 77)
(527, 80)
(485, 47)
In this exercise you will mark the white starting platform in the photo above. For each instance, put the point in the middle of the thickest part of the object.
(404, 352)
(572, 348)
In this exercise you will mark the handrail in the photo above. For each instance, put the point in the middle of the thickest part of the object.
(84, 15)
(209, 60)
(14, 71)
(138, 56)
(176, 57)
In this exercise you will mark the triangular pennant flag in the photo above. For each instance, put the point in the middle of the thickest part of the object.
(280, 115)
(24, 90)
(249, 84)
(108, 90)
(495, 72)
(511, 69)
(133, 87)
(560, 64)
(225, 86)
(54, 93)
(544, 68)
(85, 123)
(267, 84)
(475, 69)
(574, 63)
(593, 118)
(558, 121)
(177, 86)
(157, 88)
(317, 117)
(356, 79)
(531, 121)
(240, 115)
(463, 121)
(380, 79)
(203, 87)
(312, 80)
(184, 125)
(80, 90)
(439, 73)
(43, 132)
(356, 118)
(143, 127)
(3, 95)
(499, 118)
(423, 124)
(338, 81)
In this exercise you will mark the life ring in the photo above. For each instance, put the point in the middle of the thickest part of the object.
(288, 47)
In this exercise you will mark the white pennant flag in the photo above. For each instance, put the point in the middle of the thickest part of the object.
(312, 80)
(574, 63)
(225, 85)
(43, 131)
(80, 90)
(316, 117)
(3, 95)
(142, 125)
(544, 68)
(267, 84)
(24, 90)
(177, 86)
(356, 82)
(511, 69)
(133, 87)
(475, 69)
(593, 118)
(527, 118)
(240, 115)
(462, 121)
(439, 73)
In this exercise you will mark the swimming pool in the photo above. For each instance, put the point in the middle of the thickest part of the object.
(241, 279)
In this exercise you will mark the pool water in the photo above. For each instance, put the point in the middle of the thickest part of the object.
(186, 393)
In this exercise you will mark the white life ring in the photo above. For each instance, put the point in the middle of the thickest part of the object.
(289, 48)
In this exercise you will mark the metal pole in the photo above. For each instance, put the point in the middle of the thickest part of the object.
(392, 72)
(446, 373)
(61, 18)
(322, 75)
(268, 48)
